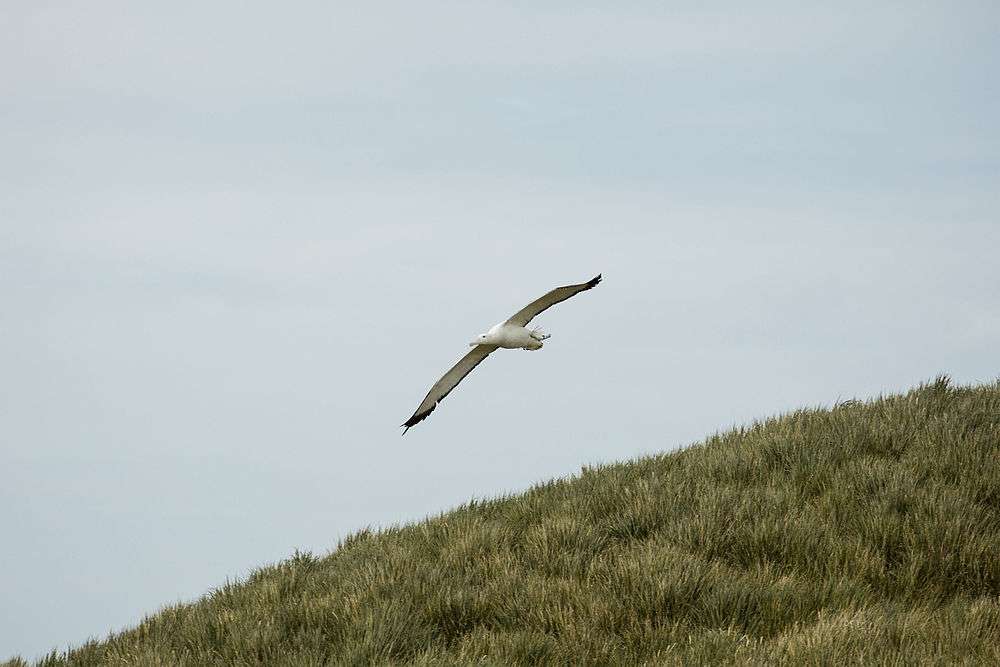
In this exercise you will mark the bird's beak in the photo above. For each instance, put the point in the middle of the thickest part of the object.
(474, 343)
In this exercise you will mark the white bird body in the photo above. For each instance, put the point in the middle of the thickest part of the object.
(510, 334)
(511, 337)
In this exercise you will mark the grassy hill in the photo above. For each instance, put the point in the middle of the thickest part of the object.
(868, 532)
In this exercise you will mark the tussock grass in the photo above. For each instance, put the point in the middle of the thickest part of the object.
(869, 532)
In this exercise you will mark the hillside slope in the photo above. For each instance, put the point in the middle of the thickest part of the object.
(870, 532)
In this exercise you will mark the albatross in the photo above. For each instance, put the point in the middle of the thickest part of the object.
(511, 334)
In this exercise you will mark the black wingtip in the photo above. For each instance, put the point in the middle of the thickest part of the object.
(593, 281)
(416, 419)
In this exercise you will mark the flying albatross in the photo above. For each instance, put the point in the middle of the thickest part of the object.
(511, 334)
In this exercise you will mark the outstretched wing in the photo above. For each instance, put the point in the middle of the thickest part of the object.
(448, 382)
(526, 314)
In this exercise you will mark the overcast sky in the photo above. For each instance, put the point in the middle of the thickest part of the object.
(238, 243)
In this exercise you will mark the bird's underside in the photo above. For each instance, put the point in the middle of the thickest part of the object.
(511, 334)
(514, 337)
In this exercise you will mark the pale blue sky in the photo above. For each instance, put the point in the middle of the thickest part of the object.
(237, 244)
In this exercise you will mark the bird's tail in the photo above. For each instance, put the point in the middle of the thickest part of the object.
(538, 334)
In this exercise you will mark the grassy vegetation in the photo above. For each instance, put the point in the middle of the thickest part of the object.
(868, 532)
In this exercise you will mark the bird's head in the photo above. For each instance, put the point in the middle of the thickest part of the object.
(481, 339)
